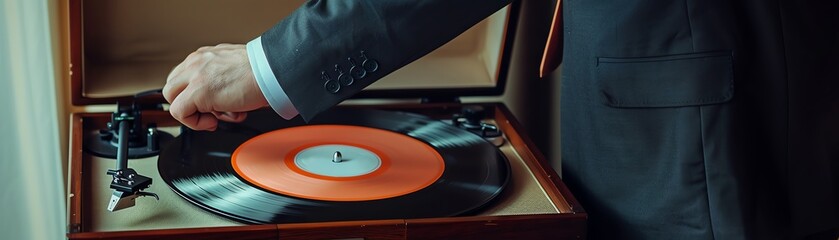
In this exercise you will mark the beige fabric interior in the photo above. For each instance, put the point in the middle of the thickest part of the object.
(522, 196)
(131, 45)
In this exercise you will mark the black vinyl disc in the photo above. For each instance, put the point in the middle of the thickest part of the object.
(197, 166)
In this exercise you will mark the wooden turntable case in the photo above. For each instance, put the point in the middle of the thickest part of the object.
(121, 47)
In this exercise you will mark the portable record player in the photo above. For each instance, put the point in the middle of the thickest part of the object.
(436, 169)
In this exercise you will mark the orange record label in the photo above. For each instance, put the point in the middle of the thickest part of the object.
(371, 164)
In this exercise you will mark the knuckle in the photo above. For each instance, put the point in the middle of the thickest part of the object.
(166, 93)
(207, 55)
(192, 55)
(176, 113)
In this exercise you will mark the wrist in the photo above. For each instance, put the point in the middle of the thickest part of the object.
(266, 81)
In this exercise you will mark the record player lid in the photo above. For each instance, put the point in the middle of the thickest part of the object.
(119, 48)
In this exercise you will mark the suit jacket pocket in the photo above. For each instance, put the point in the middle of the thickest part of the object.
(666, 81)
(664, 131)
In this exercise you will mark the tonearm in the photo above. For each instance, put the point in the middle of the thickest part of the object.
(126, 126)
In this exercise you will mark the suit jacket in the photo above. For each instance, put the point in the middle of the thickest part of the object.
(711, 119)
(304, 48)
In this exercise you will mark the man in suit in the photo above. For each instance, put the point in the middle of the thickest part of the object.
(680, 119)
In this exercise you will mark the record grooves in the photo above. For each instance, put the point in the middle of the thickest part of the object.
(197, 166)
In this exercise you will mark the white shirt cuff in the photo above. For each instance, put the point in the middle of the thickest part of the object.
(267, 82)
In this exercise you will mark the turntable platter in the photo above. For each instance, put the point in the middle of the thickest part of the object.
(398, 165)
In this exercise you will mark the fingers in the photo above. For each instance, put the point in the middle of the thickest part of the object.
(173, 89)
(184, 108)
(212, 84)
(183, 102)
(201, 122)
(231, 116)
(176, 82)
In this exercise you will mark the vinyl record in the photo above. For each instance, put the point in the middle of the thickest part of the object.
(215, 170)
(304, 162)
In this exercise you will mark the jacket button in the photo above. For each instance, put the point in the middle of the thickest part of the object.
(356, 71)
(369, 64)
(330, 85)
(343, 78)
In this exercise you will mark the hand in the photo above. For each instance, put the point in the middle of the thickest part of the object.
(211, 84)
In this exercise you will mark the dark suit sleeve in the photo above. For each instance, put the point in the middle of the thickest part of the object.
(304, 49)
